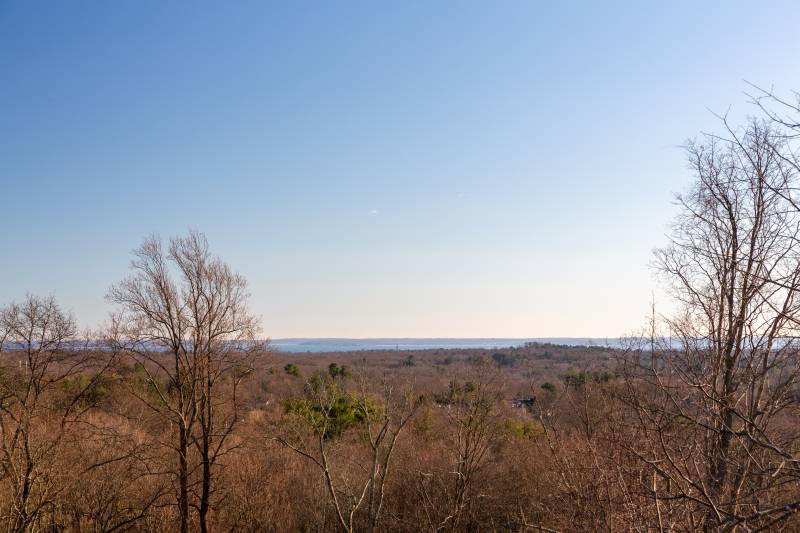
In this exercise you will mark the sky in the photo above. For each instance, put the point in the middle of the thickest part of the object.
(374, 169)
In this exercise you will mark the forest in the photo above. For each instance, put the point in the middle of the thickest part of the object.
(176, 414)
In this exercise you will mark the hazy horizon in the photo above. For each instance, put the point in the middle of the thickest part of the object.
(305, 345)
(422, 171)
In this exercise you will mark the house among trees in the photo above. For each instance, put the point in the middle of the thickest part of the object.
(519, 403)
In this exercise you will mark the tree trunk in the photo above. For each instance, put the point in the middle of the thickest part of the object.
(183, 477)
(205, 493)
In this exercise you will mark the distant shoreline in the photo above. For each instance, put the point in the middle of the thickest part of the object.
(300, 345)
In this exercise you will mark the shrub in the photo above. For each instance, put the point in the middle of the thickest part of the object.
(93, 391)
(505, 360)
(337, 371)
(574, 378)
(549, 387)
(329, 410)
(292, 370)
(524, 429)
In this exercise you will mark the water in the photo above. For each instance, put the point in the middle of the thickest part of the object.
(347, 345)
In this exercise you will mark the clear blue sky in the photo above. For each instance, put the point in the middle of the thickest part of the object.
(374, 169)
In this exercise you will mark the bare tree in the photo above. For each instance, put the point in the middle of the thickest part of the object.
(471, 410)
(713, 392)
(183, 314)
(782, 112)
(42, 402)
(783, 115)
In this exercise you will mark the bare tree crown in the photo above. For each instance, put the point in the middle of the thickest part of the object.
(183, 298)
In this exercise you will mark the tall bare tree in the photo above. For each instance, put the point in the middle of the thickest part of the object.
(184, 315)
(713, 395)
